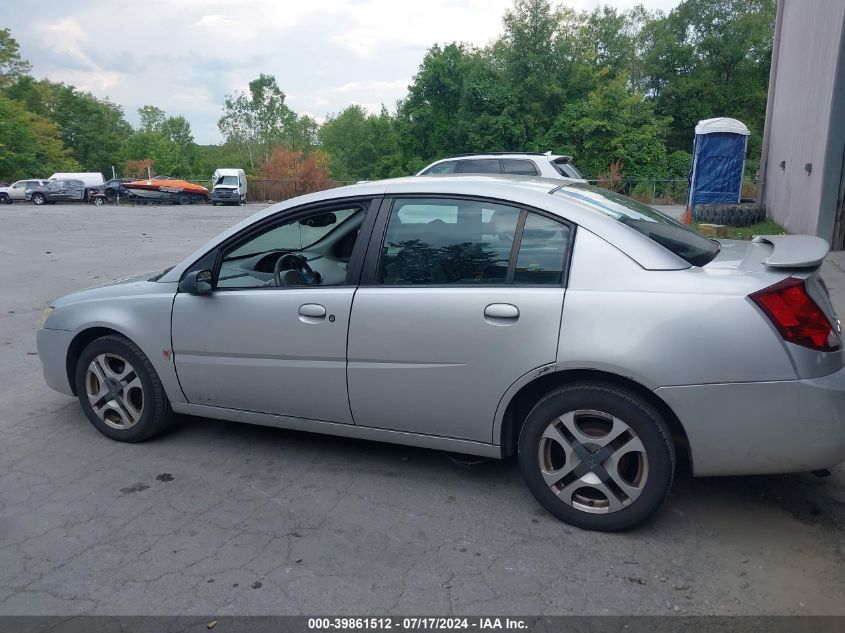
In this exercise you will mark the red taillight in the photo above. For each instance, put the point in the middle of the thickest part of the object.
(796, 316)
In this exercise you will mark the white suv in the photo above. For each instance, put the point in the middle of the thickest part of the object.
(547, 165)
(16, 191)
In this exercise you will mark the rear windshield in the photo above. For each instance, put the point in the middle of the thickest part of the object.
(684, 242)
(567, 169)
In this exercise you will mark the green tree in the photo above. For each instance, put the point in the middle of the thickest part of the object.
(151, 118)
(459, 101)
(361, 146)
(167, 142)
(12, 66)
(30, 145)
(260, 120)
(612, 124)
(706, 59)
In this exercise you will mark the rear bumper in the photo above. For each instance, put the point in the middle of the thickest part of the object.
(757, 428)
(52, 351)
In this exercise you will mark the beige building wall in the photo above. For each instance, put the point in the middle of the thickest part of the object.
(806, 122)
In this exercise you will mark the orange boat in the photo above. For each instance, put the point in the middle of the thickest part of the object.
(166, 188)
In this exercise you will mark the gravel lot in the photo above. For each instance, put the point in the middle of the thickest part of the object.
(221, 518)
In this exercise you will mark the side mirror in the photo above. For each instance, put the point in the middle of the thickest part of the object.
(196, 282)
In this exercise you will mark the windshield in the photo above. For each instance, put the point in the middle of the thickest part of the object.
(231, 181)
(294, 236)
(681, 240)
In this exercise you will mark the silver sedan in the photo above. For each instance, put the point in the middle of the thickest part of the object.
(584, 333)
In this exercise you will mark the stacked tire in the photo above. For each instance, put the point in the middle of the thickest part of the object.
(730, 214)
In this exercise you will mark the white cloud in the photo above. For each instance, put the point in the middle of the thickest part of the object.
(214, 20)
(64, 37)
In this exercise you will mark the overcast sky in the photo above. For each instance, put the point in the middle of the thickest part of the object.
(185, 55)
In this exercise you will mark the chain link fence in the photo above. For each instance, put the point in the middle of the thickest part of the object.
(275, 190)
(657, 191)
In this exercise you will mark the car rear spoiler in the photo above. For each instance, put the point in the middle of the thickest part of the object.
(794, 251)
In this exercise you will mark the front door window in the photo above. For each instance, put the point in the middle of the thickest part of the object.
(310, 251)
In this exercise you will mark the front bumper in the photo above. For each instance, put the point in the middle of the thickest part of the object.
(52, 351)
(757, 428)
(226, 195)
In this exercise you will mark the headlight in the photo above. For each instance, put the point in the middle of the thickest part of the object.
(45, 314)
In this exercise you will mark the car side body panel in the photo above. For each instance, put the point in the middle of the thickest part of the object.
(138, 309)
(253, 350)
(429, 357)
(663, 328)
(422, 440)
(755, 428)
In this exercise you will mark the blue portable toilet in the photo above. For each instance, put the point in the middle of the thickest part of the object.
(718, 162)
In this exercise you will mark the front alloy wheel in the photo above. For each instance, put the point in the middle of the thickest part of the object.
(114, 391)
(120, 391)
(38, 198)
(597, 456)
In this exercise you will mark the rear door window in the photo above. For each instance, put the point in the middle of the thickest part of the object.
(443, 241)
(542, 251)
(481, 166)
(519, 167)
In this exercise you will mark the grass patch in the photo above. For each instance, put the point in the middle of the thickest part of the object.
(766, 227)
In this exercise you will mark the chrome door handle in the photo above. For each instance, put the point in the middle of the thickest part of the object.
(312, 310)
(501, 311)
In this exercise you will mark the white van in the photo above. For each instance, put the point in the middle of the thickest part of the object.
(90, 178)
(228, 186)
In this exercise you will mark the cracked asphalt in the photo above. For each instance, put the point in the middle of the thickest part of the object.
(221, 518)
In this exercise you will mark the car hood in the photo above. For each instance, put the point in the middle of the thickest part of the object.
(136, 285)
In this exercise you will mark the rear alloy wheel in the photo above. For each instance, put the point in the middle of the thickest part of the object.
(120, 391)
(597, 456)
(38, 198)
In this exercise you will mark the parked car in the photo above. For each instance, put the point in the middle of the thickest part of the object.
(228, 186)
(90, 178)
(113, 188)
(459, 337)
(546, 164)
(16, 192)
(57, 191)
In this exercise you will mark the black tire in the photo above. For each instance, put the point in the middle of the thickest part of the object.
(38, 198)
(5, 199)
(98, 202)
(730, 214)
(156, 414)
(643, 422)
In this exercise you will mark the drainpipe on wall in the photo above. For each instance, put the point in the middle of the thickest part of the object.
(770, 98)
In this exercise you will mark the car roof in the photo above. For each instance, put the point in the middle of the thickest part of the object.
(549, 155)
(531, 191)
